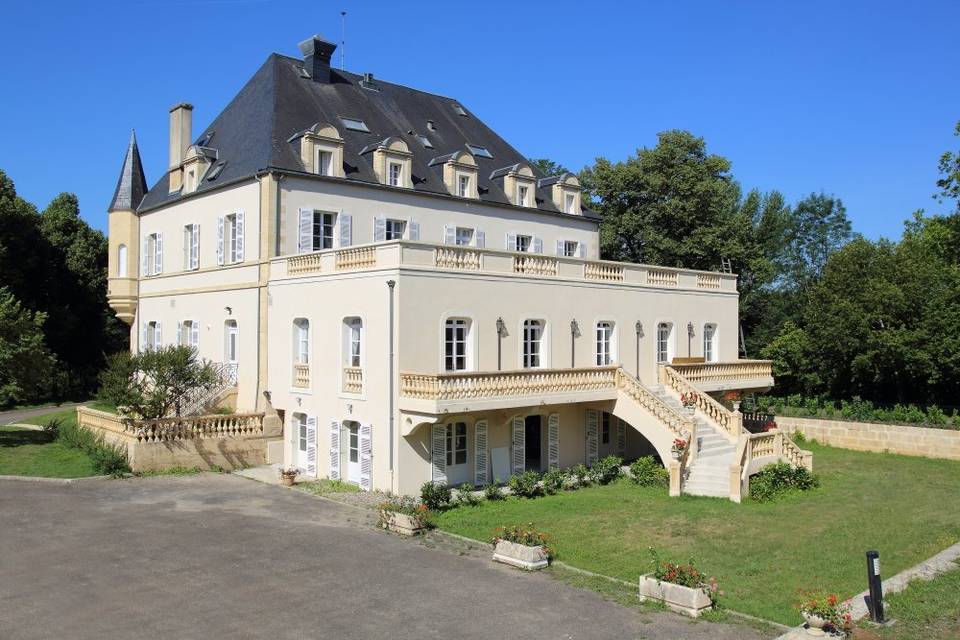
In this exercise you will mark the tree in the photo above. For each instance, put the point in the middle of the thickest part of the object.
(949, 182)
(818, 228)
(26, 364)
(548, 167)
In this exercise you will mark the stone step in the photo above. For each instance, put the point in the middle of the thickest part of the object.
(707, 493)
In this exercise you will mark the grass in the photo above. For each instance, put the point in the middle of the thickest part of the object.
(760, 552)
(24, 452)
(926, 610)
(326, 487)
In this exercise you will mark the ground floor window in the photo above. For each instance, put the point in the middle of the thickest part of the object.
(456, 443)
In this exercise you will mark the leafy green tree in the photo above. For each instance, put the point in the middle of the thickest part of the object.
(818, 227)
(548, 167)
(949, 182)
(26, 364)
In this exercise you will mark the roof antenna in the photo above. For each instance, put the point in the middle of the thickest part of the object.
(343, 36)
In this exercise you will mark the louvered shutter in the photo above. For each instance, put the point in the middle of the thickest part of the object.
(157, 336)
(379, 229)
(414, 230)
(511, 241)
(305, 236)
(366, 456)
(195, 247)
(334, 450)
(238, 235)
(449, 234)
(560, 247)
(519, 446)
(480, 457)
(621, 435)
(143, 336)
(179, 333)
(553, 441)
(312, 446)
(220, 240)
(582, 249)
(195, 334)
(345, 221)
(158, 254)
(537, 244)
(144, 258)
(438, 453)
(481, 239)
(593, 419)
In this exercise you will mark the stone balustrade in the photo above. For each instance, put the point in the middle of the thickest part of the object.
(708, 281)
(602, 271)
(356, 258)
(728, 421)
(306, 263)
(665, 278)
(301, 376)
(457, 258)
(681, 425)
(528, 382)
(534, 265)
(352, 380)
(725, 371)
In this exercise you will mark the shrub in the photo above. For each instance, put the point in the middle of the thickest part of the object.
(778, 479)
(828, 607)
(408, 506)
(107, 459)
(436, 495)
(686, 575)
(647, 472)
(526, 484)
(606, 470)
(465, 495)
(554, 481)
(580, 473)
(493, 492)
(528, 536)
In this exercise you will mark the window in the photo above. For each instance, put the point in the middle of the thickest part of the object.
(189, 334)
(153, 261)
(463, 186)
(456, 443)
(571, 248)
(191, 247)
(354, 337)
(354, 124)
(456, 332)
(300, 421)
(710, 342)
(605, 428)
(570, 203)
(231, 343)
(324, 225)
(480, 152)
(354, 442)
(522, 192)
(190, 181)
(122, 261)
(394, 229)
(151, 336)
(301, 341)
(464, 237)
(324, 162)
(604, 343)
(664, 348)
(233, 237)
(395, 174)
(523, 243)
(532, 343)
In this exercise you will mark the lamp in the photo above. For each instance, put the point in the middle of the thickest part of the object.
(501, 329)
(638, 327)
(574, 334)
(689, 337)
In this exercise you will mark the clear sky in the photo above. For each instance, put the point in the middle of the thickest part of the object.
(857, 99)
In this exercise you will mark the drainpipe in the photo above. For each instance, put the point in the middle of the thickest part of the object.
(391, 284)
(277, 219)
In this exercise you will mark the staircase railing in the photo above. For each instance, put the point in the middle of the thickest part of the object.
(728, 421)
(680, 424)
(196, 400)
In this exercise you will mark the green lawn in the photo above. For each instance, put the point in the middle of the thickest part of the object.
(925, 611)
(34, 453)
(761, 553)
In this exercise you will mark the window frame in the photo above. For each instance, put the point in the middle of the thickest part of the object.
(570, 203)
(393, 222)
(606, 420)
(391, 165)
(122, 253)
(321, 215)
(524, 243)
(523, 191)
(464, 182)
(453, 440)
(353, 342)
(231, 341)
(567, 244)
(471, 234)
(666, 342)
(710, 338)
(301, 341)
(453, 325)
(532, 354)
(604, 346)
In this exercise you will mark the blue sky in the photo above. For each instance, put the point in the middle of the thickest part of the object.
(857, 99)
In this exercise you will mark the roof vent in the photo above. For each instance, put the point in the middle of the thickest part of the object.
(431, 126)
(316, 57)
(368, 83)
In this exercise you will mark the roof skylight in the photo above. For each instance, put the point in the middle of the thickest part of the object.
(353, 124)
(480, 152)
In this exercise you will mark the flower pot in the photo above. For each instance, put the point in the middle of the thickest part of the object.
(520, 555)
(686, 600)
(287, 479)
(815, 624)
(676, 454)
(401, 523)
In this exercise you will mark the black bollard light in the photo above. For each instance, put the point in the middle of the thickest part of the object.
(876, 586)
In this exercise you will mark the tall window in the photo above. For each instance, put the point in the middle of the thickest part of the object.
(604, 343)
(532, 343)
(353, 328)
(523, 243)
(463, 186)
(456, 443)
(231, 343)
(191, 246)
(301, 341)
(664, 348)
(395, 174)
(154, 258)
(152, 337)
(569, 203)
(232, 237)
(324, 226)
(455, 345)
(605, 428)
(300, 426)
(571, 248)
(122, 261)
(464, 236)
(324, 162)
(394, 229)
(522, 192)
(710, 342)
(189, 334)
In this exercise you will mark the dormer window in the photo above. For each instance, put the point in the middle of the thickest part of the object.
(324, 162)
(197, 160)
(391, 160)
(569, 203)
(321, 150)
(395, 174)
(565, 192)
(463, 185)
(459, 173)
(518, 182)
(522, 191)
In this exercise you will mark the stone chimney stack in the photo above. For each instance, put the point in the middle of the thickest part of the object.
(181, 134)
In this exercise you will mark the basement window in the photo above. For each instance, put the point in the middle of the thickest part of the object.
(355, 125)
(480, 152)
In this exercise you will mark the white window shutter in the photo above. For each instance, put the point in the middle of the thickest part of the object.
(238, 236)
(158, 254)
(194, 334)
(414, 230)
(144, 258)
(345, 220)
(621, 435)
(438, 453)
(481, 239)
(553, 441)
(480, 458)
(220, 240)
(157, 336)
(582, 249)
(366, 456)
(312, 446)
(143, 336)
(593, 419)
(305, 242)
(449, 234)
(511, 241)
(519, 446)
(334, 450)
(379, 229)
(537, 244)
(195, 247)
(179, 333)
(560, 247)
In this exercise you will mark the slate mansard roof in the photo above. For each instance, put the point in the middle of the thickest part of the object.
(258, 131)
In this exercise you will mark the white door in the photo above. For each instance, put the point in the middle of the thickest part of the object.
(232, 345)
(458, 469)
(300, 434)
(353, 452)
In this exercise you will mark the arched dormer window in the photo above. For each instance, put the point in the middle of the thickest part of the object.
(564, 192)
(459, 173)
(321, 150)
(519, 183)
(392, 162)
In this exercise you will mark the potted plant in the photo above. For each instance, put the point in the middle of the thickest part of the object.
(733, 397)
(287, 476)
(824, 613)
(681, 587)
(689, 399)
(679, 446)
(522, 547)
(405, 516)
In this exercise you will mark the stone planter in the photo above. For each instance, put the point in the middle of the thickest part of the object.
(287, 479)
(676, 453)
(520, 555)
(401, 523)
(686, 600)
(814, 624)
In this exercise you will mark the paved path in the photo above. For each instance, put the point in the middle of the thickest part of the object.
(16, 415)
(217, 556)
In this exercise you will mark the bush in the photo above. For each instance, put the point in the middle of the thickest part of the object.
(580, 473)
(526, 484)
(858, 410)
(778, 479)
(436, 495)
(408, 506)
(526, 536)
(107, 459)
(493, 492)
(606, 470)
(465, 495)
(554, 481)
(647, 472)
